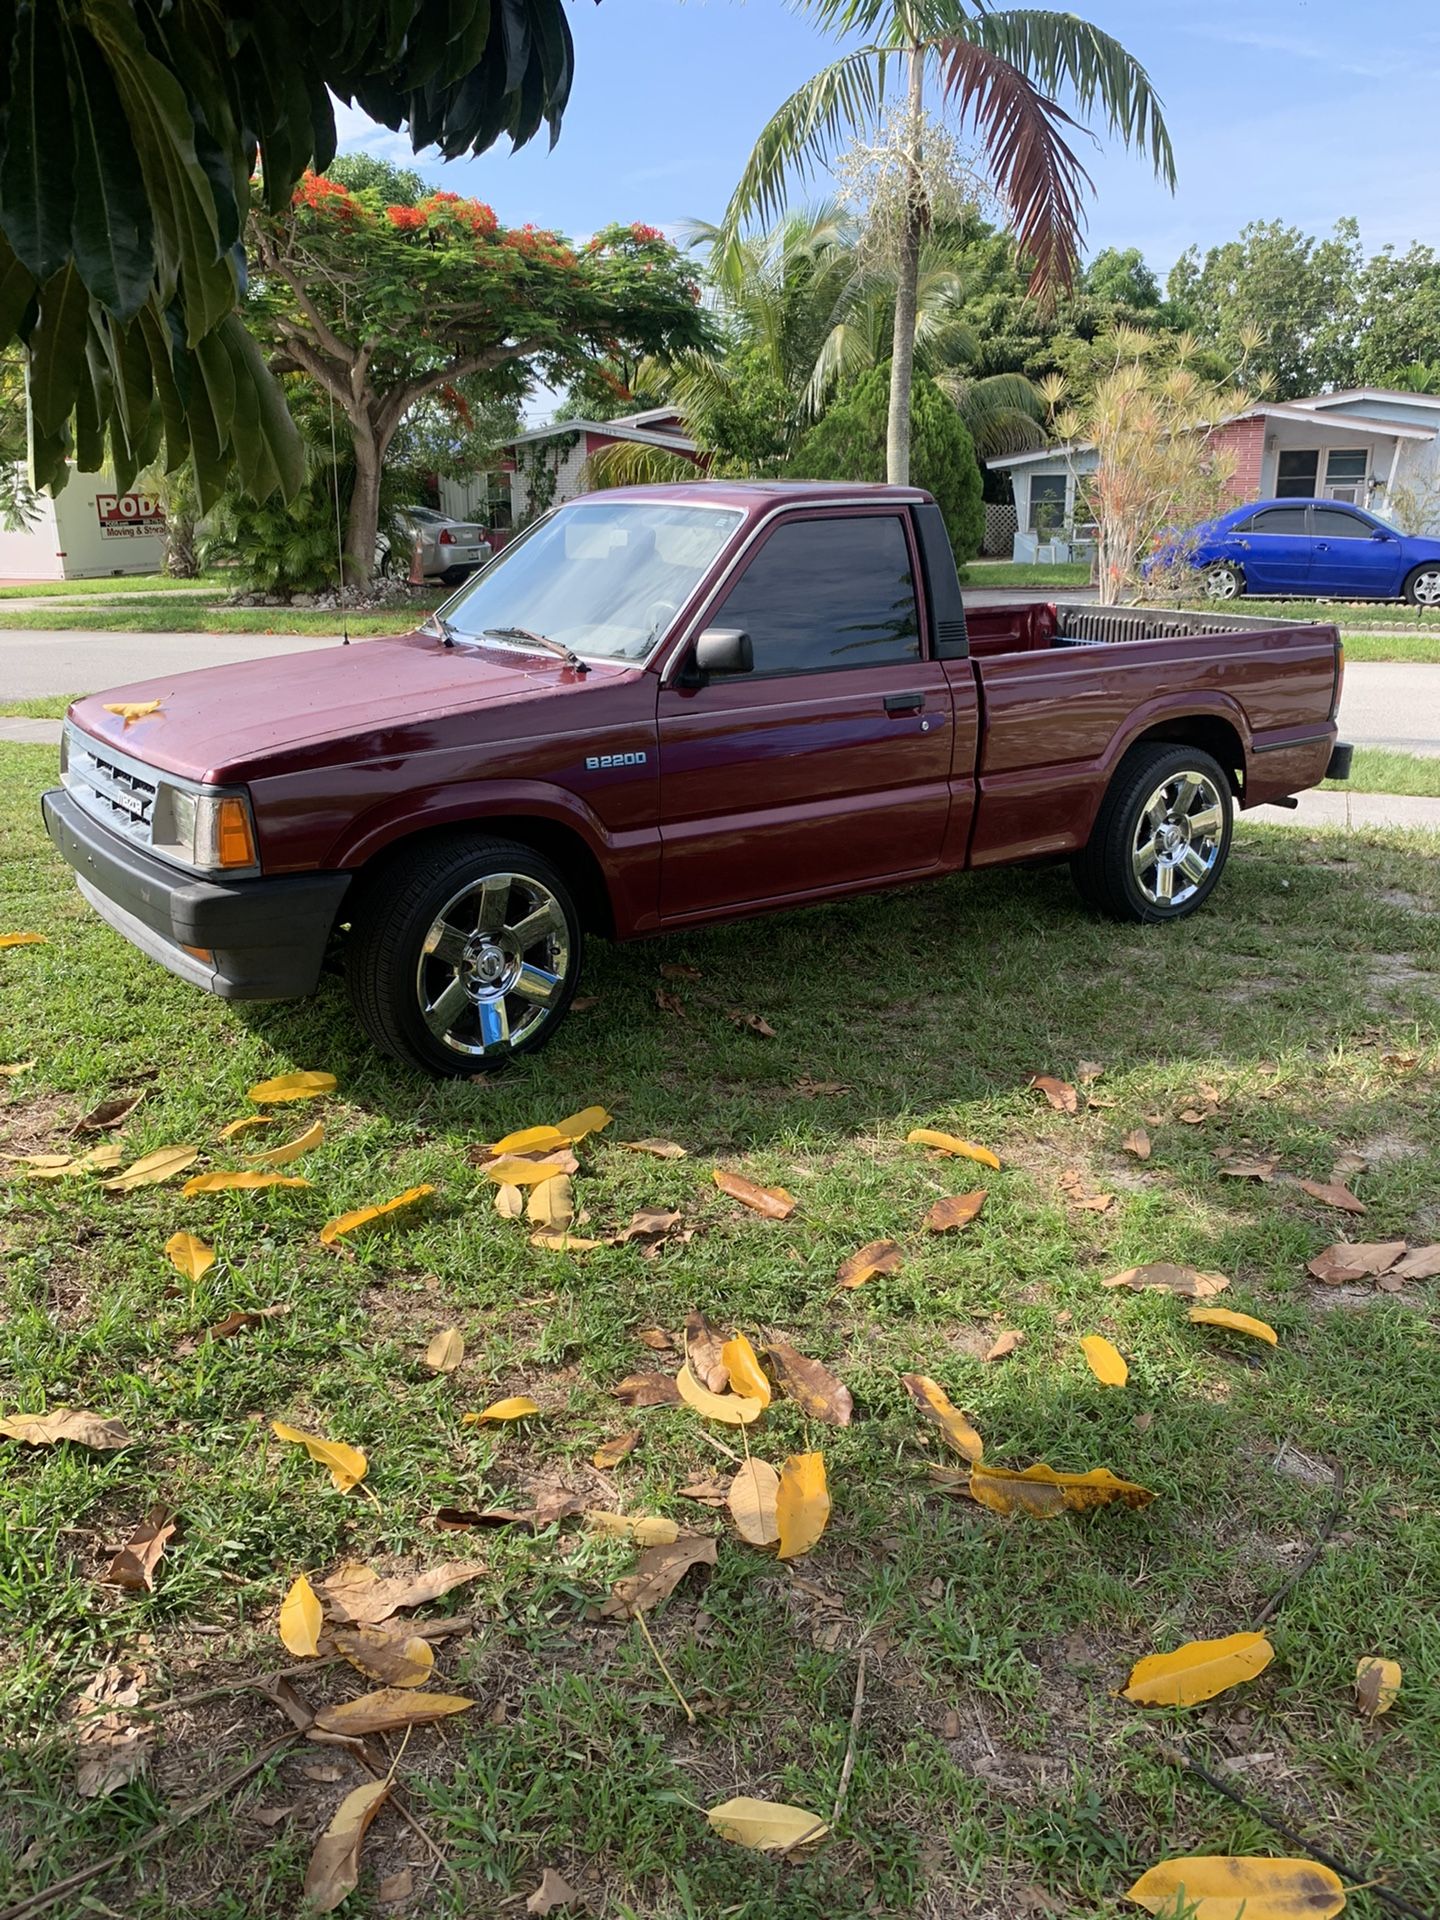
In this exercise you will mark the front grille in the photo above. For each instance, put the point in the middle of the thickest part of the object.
(115, 790)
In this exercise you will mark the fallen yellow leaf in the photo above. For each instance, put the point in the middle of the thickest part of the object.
(747, 1378)
(244, 1126)
(576, 1126)
(1236, 1322)
(22, 940)
(292, 1086)
(14, 1068)
(151, 1168)
(132, 710)
(517, 1407)
(751, 1498)
(802, 1505)
(954, 1211)
(767, 1826)
(551, 1204)
(362, 1216)
(445, 1351)
(509, 1202)
(391, 1707)
(1198, 1670)
(1377, 1685)
(281, 1156)
(189, 1255)
(387, 1654)
(1041, 1491)
(734, 1409)
(876, 1256)
(348, 1465)
(1219, 1886)
(608, 1455)
(238, 1182)
(774, 1202)
(645, 1529)
(1105, 1361)
(934, 1403)
(513, 1170)
(529, 1140)
(301, 1618)
(950, 1143)
(334, 1870)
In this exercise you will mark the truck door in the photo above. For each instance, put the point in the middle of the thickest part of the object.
(828, 764)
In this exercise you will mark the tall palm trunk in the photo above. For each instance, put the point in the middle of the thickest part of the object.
(902, 360)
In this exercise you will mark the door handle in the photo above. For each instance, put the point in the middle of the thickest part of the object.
(904, 702)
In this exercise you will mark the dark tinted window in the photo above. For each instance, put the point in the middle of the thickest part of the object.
(1331, 524)
(1280, 520)
(827, 593)
(1296, 472)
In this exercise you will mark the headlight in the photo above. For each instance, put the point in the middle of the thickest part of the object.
(214, 832)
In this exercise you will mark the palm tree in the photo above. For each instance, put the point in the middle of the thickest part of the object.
(998, 71)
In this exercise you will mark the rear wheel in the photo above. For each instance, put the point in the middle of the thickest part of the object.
(1224, 581)
(463, 954)
(1422, 589)
(1162, 836)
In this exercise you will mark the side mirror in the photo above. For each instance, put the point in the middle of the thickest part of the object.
(1381, 534)
(724, 650)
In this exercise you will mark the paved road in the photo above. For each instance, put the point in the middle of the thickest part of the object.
(1390, 704)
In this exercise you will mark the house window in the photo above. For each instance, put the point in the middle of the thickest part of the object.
(1346, 471)
(495, 509)
(1047, 502)
(1296, 473)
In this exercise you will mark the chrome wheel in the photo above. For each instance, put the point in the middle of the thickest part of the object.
(1178, 839)
(493, 965)
(1222, 583)
(1425, 588)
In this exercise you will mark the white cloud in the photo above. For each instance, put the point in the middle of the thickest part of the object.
(356, 132)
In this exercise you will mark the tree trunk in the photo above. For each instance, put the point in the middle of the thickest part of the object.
(357, 562)
(902, 358)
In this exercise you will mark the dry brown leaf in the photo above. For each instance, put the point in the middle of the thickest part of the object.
(751, 1498)
(133, 1567)
(705, 1352)
(644, 1529)
(1059, 1093)
(658, 1572)
(809, 1089)
(935, 1405)
(660, 1149)
(774, 1202)
(1348, 1261)
(1332, 1195)
(388, 1654)
(552, 1895)
(877, 1256)
(151, 1168)
(552, 1204)
(669, 1002)
(610, 1453)
(751, 1022)
(1137, 1142)
(674, 970)
(109, 1114)
(84, 1429)
(713, 1491)
(1003, 1344)
(1377, 1685)
(334, 1870)
(558, 1504)
(955, 1211)
(1039, 1490)
(1252, 1169)
(445, 1351)
(812, 1387)
(743, 1370)
(656, 1339)
(239, 1319)
(356, 1596)
(561, 1242)
(648, 1390)
(1162, 1277)
(649, 1226)
(111, 1746)
(509, 1201)
(1421, 1263)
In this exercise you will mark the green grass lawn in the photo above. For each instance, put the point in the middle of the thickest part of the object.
(1423, 649)
(146, 583)
(50, 706)
(1020, 573)
(1379, 770)
(170, 614)
(995, 1772)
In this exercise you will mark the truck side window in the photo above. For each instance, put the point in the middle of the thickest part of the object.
(822, 594)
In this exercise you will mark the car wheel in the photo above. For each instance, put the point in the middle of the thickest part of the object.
(1422, 589)
(1161, 837)
(463, 953)
(1224, 581)
(452, 576)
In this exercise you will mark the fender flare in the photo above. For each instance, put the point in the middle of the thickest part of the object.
(1167, 707)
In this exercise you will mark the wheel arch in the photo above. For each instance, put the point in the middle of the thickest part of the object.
(559, 843)
(1213, 733)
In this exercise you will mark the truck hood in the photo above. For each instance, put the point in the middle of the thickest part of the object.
(234, 723)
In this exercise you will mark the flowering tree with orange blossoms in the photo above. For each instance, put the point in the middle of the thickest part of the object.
(383, 305)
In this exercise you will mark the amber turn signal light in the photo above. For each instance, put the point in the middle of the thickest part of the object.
(234, 835)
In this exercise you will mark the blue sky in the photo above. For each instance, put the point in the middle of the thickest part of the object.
(1300, 110)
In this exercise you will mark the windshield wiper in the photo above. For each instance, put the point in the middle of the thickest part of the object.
(567, 654)
(443, 627)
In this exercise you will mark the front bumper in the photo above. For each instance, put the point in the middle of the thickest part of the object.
(250, 939)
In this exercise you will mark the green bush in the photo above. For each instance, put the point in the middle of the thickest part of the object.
(848, 443)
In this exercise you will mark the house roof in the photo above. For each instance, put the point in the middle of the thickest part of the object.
(622, 429)
(1301, 410)
(1325, 400)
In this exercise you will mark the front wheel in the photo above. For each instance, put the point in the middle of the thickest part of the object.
(1224, 581)
(1422, 589)
(1162, 835)
(463, 953)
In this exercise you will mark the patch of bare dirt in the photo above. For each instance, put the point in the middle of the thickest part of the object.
(36, 1123)
(1388, 974)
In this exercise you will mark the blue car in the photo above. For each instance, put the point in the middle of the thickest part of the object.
(1312, 547)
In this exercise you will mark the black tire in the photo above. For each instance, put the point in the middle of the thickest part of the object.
(455, 576)
(1224, 581)
(1105, 870)
(390, 973)
(1422, 588)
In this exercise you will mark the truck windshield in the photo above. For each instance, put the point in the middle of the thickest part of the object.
(604, 577)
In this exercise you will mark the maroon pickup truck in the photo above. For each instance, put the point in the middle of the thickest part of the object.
(656, 708)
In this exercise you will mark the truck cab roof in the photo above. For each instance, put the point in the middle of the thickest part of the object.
(754, 494)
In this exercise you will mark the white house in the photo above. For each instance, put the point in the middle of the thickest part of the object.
(1374, 446)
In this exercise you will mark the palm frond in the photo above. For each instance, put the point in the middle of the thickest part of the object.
(1004, 412)
(804, 131)
(628, 463)
(1037, 175)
